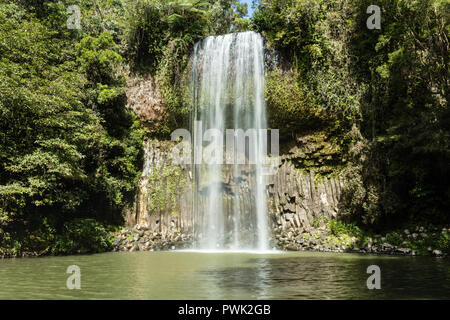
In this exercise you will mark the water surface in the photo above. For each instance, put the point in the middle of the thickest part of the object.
(195, 275)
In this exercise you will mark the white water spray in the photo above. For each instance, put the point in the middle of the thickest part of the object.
(230, 202)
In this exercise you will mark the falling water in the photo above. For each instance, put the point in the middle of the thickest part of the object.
(228, 89)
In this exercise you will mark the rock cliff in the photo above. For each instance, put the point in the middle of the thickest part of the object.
(298, 200)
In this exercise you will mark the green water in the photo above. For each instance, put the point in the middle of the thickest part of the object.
(191, 275)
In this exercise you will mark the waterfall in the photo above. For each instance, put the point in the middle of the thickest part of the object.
(228, 91)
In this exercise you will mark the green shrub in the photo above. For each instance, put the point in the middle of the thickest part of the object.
(82, 236)
(443, 243)
(394, 238)
(290, 107)
(338, 228)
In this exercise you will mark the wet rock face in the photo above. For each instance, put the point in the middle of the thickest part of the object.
(145, 99)
(163, 200)
(298, 200)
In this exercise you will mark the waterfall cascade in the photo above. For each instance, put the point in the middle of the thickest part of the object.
(229, 199)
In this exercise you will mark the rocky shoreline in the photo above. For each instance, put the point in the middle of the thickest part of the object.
(315, 239)
(322, 240)
(140, 238)
(318, 239)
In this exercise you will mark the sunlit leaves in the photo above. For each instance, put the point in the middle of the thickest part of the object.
(60, 101)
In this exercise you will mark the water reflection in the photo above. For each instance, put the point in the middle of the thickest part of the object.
(193, 275)
(334, 277)
(251, 280)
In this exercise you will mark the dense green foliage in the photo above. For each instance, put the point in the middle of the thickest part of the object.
(389, 85)
(312, 38)
(292, 109)
(406, 111)
(82, 236)
(338, 228)
(69, 149)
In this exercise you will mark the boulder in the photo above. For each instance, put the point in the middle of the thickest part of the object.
(404, 251)
(437, 253)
